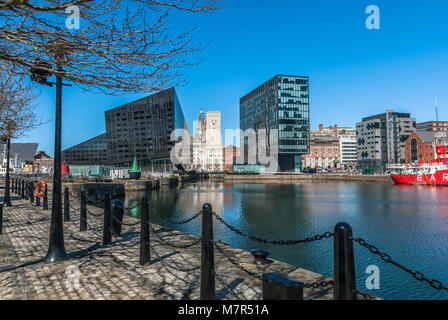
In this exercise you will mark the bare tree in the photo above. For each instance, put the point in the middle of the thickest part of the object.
(17, 116)
(120, 46)
(17, 104)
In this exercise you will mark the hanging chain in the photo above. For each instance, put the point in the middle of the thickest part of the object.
(274, 242)
(172, 244)
(388, 259)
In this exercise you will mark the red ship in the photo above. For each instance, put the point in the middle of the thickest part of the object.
(433, 174)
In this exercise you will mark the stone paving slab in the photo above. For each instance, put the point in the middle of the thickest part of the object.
(97, 272)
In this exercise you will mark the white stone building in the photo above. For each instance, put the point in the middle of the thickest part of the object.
(207, 143)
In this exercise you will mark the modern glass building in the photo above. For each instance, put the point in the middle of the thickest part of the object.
(90, 152)
(281, 103)
(143, 129)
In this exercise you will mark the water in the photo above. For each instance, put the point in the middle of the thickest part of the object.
(409, 223)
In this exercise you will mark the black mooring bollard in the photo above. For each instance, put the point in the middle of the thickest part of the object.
(66, 204)
(45, 199)
(1, 218)
(144, 232)
(13, 188)
(83, 214)
(107, 235)
(344, 263)
(116, 213)
(31, 192)
(278, 287)
(207, 255)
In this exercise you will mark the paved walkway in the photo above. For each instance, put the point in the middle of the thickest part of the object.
(95, 271)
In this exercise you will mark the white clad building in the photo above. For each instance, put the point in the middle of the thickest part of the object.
(207, 143)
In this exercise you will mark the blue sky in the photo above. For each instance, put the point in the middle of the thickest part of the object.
(354, 72)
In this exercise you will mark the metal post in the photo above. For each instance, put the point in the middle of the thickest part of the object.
(66, 204)
(144, 232)
(45, 199)
(56, 248)
(31, 192)
(207, 255)
(1, 218)
(22, 186)
(278, 287)
(83, 214)
(13, 187)
(117, 212)
(344, 263)
(26, 190)
(6, 196)
(107, 235)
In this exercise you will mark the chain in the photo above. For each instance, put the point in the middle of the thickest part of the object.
(95, 215)
(388, 259)
(95, 201)
(171, 244)
(274, 242)
(177, 222)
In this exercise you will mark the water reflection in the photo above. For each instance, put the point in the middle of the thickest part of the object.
(407, 222)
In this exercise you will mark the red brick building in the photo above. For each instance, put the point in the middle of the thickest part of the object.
(420, 147)
(229, 157)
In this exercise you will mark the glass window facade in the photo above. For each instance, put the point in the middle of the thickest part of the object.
(281, 103)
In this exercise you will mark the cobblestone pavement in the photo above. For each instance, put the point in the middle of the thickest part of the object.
(95, 271)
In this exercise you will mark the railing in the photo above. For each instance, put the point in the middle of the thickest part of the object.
(274, 286)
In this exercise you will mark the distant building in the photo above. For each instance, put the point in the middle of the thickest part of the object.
(432, 126)
(90, 152)
(421, 146)
(229, 154)
(324, 149)
(381, 139)
(21, 155)
(348, 146)
(280, 103)
(43, 163)
(207, 143)
(143, 129)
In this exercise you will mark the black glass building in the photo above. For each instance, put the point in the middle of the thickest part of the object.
(281, 103)
(143, 129)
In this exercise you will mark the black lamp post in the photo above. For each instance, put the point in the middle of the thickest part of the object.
(56, 248)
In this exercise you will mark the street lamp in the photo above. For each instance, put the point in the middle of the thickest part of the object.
(39, 73)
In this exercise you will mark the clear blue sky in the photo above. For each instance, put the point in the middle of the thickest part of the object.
(354, 72)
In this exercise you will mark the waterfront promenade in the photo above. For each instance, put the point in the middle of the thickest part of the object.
(96, 271)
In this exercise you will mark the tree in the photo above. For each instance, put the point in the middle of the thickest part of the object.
(17, 116)
(120, 46)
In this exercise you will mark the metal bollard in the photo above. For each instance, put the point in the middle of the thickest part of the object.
(22, 189)
(107, 235)
(26, 190)
(37, 201)
(116, 212)
(45, 199)
(278, 287)
(31, 192)
(83, 214)
(1, 218)
(66, 205)
(13, 189)
(207, 255)
(144, 232)
(344, 263)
